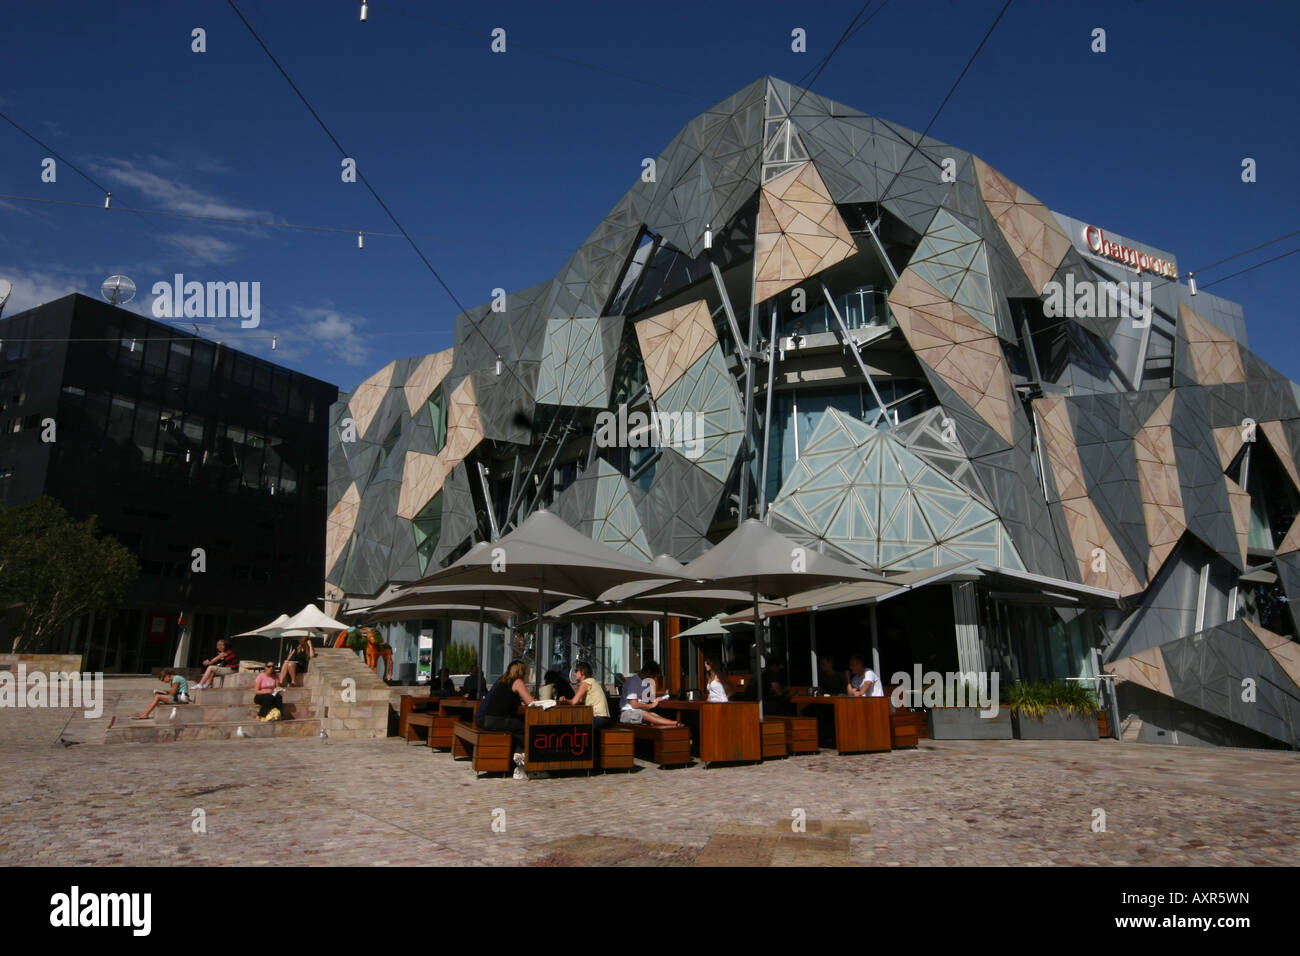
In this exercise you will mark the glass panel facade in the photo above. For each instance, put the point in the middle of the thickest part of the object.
(862, 307)
(438, 419)
(796, 414)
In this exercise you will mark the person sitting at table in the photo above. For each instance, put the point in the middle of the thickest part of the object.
(443, 685)
(589, 694)
(714, 685)
(501, 710)
(638, 699)
(863, 681)
(555, 687)
(830, 681)
(473, 684)
(776, 694)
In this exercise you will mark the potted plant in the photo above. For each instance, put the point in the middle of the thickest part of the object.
(1053, 710)
(954, 720)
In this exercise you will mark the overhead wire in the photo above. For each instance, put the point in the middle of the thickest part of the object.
(90, 179)
(237, 221)
(361, 177)
(953, 89)
(1249, 268)
(1245, 252)
(513, 44)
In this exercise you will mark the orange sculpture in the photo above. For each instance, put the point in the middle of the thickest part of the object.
(375, 649)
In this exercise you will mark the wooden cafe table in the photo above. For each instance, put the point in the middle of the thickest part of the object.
(458, 707)
(559, 738)
(861, 723)
(720, 733)
(413, 704)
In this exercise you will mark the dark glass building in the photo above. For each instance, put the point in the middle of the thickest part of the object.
(176, 443)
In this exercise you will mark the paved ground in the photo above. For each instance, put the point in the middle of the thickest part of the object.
(947, 803)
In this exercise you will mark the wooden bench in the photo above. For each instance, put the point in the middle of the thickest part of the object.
(800, 734)
(617, 749)
(669, 746)
(410, 704)
(416, 720)
(441, 730)
(773, 735)
(906, 728)
(490, 750)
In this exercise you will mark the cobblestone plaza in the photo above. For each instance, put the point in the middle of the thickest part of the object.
(947, 803)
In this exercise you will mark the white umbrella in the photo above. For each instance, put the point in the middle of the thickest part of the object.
(266, 630)
(309, 620)
(312, 618)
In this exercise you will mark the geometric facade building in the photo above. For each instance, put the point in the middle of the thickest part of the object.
(889, 351)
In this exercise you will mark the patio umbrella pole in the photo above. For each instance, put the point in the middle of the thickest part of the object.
(663, 647)
(537, 642)
(812, 643)
(478, 686)
(758, 655)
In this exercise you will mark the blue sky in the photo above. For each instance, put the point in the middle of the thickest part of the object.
(502, 164)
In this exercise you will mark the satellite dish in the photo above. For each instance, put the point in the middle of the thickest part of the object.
(5, 288)
(118, 290)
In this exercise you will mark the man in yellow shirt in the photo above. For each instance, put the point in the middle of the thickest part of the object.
(590, 694)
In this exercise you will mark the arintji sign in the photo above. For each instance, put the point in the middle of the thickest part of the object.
(560, 742)
(1095, 239)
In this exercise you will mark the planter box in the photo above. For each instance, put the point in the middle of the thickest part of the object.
(965, 723)
(1056, 724)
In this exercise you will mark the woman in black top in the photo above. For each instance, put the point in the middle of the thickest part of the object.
(501, 710)
(296, 662)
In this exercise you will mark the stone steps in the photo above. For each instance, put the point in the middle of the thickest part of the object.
(156, 732)
(233, 697)
(341, 696)
(351, 700)
(228, 682)
(204, 714)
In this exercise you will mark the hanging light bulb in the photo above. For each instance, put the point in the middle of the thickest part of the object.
(274, 340)
(361, 240)
(133, 345)
(498, 364)
(365, 10)
(708, 236)
(1191, 281)
(108, 200)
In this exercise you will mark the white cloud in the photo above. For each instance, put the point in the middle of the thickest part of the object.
(173, 193)
(311, 330)
(208, 249)
(36, 288)
(32, 288)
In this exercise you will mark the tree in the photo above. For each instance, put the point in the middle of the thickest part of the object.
(54, 569)
(460, 658)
